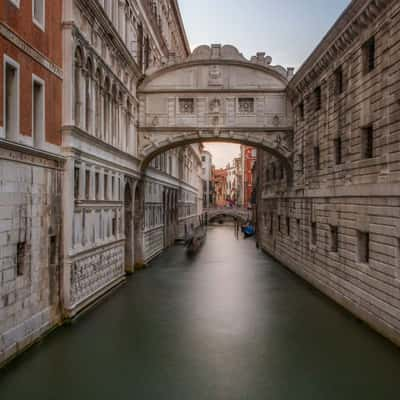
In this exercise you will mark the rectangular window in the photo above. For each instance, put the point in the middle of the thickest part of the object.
(368, 54)
(38, 112)
(338, 150)
(363, 247)
(367, 142)
(334, 239)
(112, 188)
(52, 250)
(15, 2)
(114, 223)
(76, 182)
(273, 171)
(11, 103)
(21, 250)
(301, 162)
(288, 226)
(317, 98)
(38, 13)
(87, 184)
(339, 81)
(186, 106)
(298, 227)
(314, 233)
(97, 185)
(105, 187)
(246, 105)
(301, 111)
(279, 223)
(317, 161)
(271, 224)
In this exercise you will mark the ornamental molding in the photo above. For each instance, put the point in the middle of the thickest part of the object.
(24, 46)
(358, 16)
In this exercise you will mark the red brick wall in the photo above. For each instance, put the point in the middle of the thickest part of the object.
(20, 21)
(49, 44)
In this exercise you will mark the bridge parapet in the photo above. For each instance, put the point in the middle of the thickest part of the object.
(236, 212)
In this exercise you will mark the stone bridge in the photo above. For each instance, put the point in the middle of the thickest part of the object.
(239, 213)
(216, 95)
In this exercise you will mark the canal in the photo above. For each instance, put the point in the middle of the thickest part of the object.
(228, 323)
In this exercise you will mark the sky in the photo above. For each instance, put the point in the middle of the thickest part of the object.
(287, 30)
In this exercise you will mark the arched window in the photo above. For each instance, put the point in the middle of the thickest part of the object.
(128, 119)
(88, 96)
(98, 104)
(114, 108)
(106, 110)
(77, 86)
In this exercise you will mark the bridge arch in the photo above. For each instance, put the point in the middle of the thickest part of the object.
(216, 95)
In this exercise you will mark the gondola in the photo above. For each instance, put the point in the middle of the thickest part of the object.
(196, 239)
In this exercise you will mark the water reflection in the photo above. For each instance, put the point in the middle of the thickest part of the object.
(228, 323)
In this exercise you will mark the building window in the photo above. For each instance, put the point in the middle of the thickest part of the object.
(21, 253)
(368, 54)
(97, 185)
(301, 111)
(52, 254)
(105, 187)
(338, 150)
(334, 239)
(76, 182)
(339, 81)
(114, 223)
(367, 142)
(363, 247)
(246, 105)
(301, 162)
(38, 111)
(298, 227)
(15, 2)
(112, 188)
(288, 226)
(317, 158)
(317, 98)
(271, 224)
(87, 184)
(314, 233)
(273, 166)
(11, 103)
(186, 106)
(279, 223)
(281, 172)
(38, 13)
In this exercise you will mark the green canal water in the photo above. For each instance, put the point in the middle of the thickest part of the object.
(229, 323)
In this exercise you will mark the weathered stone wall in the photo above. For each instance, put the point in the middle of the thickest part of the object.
(30, 225)
(339, 210)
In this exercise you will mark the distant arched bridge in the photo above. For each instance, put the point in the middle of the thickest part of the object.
(235, 212)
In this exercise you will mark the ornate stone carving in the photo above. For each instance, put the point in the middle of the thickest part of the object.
(214, 76)
(94, 272)
(186, 106)
(215, 106)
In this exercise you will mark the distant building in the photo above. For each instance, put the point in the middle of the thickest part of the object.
(248, 156)
(206, 176)
(220, 178)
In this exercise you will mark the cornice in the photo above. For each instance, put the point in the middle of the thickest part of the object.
(357, 16)
(178, 16)
(194, 63)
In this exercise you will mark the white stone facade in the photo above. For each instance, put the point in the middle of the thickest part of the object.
(337, 224)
